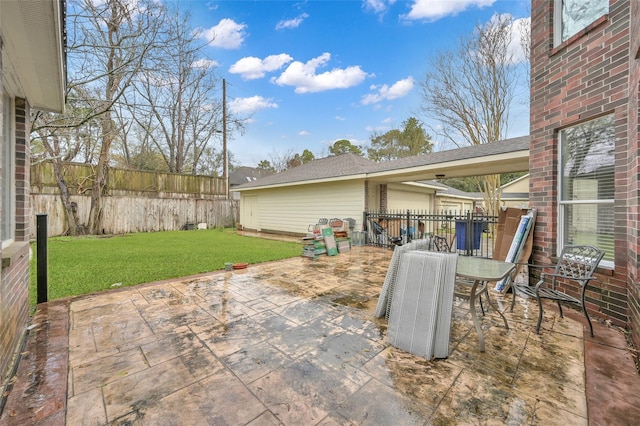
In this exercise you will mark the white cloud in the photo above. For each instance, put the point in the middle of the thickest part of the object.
(372, 129)
(250, 105)
(521, 28)
(398, 90)
(251, 68)
(303, 133)
(204, 63)
(226, 35)
(304, 78)
(377, 6)
(340, 118)
(432, 10)
(291, 23)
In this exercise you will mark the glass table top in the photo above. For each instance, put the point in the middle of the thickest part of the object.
(483, 269)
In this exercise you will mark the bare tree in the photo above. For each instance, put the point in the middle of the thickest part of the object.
(60, 140)
(470, 90)
(280, 161)
(115, 38)
(107, 42)
(176, 97)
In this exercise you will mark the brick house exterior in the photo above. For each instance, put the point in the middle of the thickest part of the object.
(14, 294)
(26, 80)
(593, 73)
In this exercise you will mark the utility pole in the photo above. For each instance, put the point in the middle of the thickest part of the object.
(225, 159)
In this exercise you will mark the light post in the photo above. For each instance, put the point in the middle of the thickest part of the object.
(225, 157)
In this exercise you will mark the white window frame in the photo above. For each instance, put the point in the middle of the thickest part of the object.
(8, 171)
(607, 263)
(557, 22)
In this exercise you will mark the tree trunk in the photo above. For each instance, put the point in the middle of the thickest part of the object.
(71, 219)
(492, 194)
(100, 179)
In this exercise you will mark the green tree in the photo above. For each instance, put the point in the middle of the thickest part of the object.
(467, 184)
(411, 140)
(307, 156)
(343, 146)
(266, 165)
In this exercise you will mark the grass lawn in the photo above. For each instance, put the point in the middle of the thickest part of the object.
(83, 265)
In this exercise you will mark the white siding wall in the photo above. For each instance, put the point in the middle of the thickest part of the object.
(519, 185)
(406, 197)
(294, 208)
(454, 204)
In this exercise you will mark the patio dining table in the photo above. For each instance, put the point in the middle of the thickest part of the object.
(480, 272)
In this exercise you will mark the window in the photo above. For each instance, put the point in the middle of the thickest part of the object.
(571, 16)
(8, 206)
(587, 185)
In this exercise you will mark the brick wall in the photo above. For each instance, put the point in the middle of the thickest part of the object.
(14, 309)
(583, 78)
(23, 211)
(633, 218)
(14, 278)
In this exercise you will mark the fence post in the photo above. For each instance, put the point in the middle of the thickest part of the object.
(365, 227)
(409, 236)
(41, 255)
(469, 234)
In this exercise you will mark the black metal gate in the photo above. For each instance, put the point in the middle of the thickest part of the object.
(468, 233)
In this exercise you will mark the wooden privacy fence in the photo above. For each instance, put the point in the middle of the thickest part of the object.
(134, 201)
(79, 179)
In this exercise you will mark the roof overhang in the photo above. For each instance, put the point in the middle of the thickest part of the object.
(302, 182)
(33, 51)
(506, 156)
(491, 164)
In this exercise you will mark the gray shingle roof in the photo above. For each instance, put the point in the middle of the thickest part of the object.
(323, 168)
(353, 165)
(502, 147)
(245, 174)
(449, 190)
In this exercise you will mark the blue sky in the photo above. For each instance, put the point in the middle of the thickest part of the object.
(312, 72)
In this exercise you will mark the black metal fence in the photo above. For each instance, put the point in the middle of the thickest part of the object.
(468, 233)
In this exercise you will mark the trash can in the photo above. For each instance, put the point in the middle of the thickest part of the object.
(461, 235)
(358, 238)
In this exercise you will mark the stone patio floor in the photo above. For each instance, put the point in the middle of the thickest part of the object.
(294, 342)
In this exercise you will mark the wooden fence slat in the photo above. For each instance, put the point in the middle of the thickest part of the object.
(136, 201)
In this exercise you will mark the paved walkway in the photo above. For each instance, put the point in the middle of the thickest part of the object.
(294, 342)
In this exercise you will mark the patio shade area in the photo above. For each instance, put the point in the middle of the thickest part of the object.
(295, 342)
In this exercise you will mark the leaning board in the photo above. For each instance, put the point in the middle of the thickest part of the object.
(330, 241)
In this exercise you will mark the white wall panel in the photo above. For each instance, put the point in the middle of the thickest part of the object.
(293, 208)
(406, 197)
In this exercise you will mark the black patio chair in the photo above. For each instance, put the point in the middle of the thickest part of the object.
(440, 244)
(381, 236)
(576, 263)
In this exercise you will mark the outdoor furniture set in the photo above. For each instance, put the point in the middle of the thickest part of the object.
(418, 291)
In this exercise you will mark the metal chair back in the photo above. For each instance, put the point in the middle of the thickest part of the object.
(576, 263)
(440, 244)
